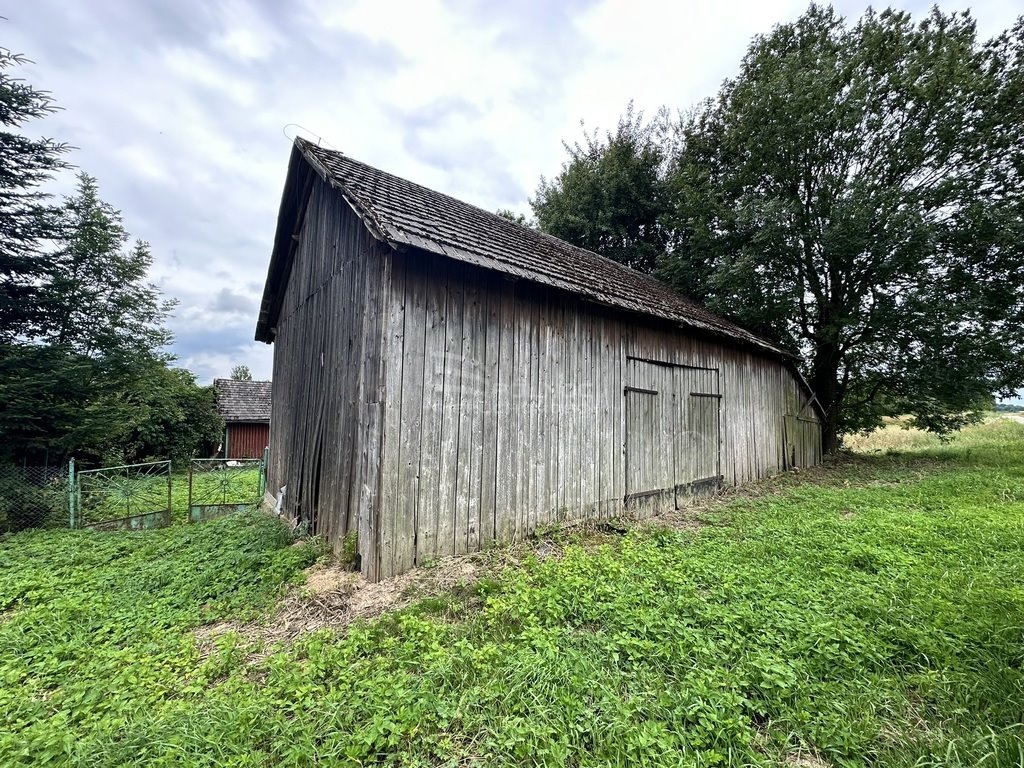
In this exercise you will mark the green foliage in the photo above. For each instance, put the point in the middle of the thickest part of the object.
(96, 300)
(856, 192)
(516, 218)
(176, 420)
(241, 373)
(94, 381)
(871, 618)
(96, 628)
(26, 218)
(349, 557)
(82, 362)
(610, 195)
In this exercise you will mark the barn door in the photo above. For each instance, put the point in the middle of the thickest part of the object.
(649, 430)
(698, 421)
(673, 431)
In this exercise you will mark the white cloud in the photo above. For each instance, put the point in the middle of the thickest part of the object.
(178, 109)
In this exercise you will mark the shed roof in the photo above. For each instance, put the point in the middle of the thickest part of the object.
(405, 214)
(243, 400)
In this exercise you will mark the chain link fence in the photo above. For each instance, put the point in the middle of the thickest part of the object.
(127, 497)
(33, 497)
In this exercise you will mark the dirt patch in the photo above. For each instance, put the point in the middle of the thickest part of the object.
(326, 579)
(333, 598)
(806, 759)
(208, 634)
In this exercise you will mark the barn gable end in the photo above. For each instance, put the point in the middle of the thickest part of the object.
(434, 391)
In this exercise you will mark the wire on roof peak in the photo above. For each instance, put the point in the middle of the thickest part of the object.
(313, 134)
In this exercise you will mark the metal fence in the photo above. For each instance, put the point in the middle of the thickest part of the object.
(33, 497)
(131, 496)
(218, 487)
(127, 497)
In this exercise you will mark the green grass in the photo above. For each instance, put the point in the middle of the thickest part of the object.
(869, 613)
(96, 629)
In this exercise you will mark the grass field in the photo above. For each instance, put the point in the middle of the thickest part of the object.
(867, 613)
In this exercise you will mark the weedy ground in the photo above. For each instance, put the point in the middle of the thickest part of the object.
(870, 612)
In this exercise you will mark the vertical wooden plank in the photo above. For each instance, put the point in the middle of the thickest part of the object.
(505, 422)
(467, 537)
(546, 414)
(489, 448)
(394, 328)
(428, 506)
(589, 437)
(559, 406)
(603, 454)
(410, 439)
(574, 460)
(368, 493)
(520, 412)
(531, 459)
(451, 402)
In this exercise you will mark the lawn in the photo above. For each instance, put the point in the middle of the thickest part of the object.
(867, 613)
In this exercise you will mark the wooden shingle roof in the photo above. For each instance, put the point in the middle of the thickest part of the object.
(243, 400)
(405, 214)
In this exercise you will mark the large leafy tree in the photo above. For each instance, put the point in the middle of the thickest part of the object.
(178, 418)
(96, 297)
(25, 213)
(857, 192)
(82, 381)
(82, 363)
(611, 194)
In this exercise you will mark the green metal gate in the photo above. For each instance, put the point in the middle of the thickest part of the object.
(127, 497)
(219, 487)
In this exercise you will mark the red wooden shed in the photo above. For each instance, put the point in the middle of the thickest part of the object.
(245, 407)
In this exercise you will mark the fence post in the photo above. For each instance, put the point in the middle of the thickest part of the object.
(71, 492)
(170, 496)
(263, 472)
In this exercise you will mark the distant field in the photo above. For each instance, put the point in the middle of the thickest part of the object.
(868, 612)
(897, 437)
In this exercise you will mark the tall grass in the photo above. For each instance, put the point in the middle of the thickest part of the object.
(869, 613)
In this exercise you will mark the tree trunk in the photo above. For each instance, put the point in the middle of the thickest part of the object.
(825, 382)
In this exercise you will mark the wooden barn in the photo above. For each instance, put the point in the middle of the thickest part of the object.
(245, 408)
(444, 377)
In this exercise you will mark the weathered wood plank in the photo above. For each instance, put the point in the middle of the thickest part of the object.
(490, 426)
(432, 392)
(410, 437)
(394, 344)
(467, 528)
(505, 507)
(447, 514)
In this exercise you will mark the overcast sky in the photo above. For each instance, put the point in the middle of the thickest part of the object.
(180, 109)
